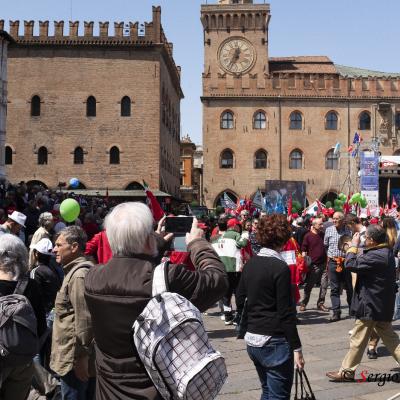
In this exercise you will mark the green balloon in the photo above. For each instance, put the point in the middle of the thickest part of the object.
(354, 199)
(363, 202)
(342, 197)
(337, 202)
(328, 204)
(296, 204)
(69, 210)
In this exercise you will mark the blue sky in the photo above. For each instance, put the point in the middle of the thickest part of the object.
(359, 33)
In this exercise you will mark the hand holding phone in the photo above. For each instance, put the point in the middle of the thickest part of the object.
(195, 232)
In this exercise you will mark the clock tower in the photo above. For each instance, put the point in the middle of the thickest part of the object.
(235, 40)
(236, 66)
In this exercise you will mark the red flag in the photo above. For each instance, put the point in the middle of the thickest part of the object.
(154, 205)
(321, 207)
(386, 209)
(346, 206)
(289, 206)
(394, 203)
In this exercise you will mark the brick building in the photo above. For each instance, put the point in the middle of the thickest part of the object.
(191, 171)
(103, 108)
(270, 118)
(5, 39)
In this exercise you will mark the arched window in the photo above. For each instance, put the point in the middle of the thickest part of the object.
(331, 160)
(296, 120)
(114, 155)
(260, 120)
(227, 120)
(78, 156)
(42, 155)
(134, 186)
(91, 106)
(365, 121)
(296, 159)
(8, 155)
(227, 159)
(331, 121)
(220, 200)
(397, 120)
(126, 107)
(35, 106)
(260, 159)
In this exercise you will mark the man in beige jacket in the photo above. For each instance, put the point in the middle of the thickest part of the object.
(72, 329)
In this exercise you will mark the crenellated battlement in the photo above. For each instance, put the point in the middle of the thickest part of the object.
(149, 32)
(338, 84)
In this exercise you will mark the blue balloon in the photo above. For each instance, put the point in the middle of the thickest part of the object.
(74, 183)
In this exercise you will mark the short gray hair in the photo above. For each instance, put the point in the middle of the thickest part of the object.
(13, 256)
(377, 234)
(128, 227)
(74, 234)
(45, 219)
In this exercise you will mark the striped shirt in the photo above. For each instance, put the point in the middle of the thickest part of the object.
(331, 240)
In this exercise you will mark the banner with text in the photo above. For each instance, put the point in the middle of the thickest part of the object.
(369, 167)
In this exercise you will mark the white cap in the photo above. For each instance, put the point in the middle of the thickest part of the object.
(18, 217)
(43, 246)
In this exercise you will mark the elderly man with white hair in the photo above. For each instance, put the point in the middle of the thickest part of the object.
(116, 293)
(15, 380)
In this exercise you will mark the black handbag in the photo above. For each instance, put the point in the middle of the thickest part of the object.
(303, 389)
(241, 327)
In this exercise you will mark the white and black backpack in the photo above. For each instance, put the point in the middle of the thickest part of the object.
(18, 328)
(173, 345)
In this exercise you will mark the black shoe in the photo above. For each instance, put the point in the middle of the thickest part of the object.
(372, 354)
(335, 318)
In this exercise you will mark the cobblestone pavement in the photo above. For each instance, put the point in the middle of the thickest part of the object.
(324, 346)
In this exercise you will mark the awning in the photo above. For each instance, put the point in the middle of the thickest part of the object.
(389, 162)
(115, 193)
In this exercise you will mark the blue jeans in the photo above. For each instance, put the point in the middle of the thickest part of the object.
(74, 389)
(275, 367)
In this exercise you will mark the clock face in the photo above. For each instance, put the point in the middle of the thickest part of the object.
(236, 55)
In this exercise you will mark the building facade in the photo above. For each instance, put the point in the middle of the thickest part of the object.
(5, 39)
(104, 108)
(191, 171)
(270, 118)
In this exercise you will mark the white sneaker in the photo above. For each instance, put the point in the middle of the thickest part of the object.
(222, 317)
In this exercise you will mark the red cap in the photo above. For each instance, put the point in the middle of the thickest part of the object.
(233, 222)
(374, 221)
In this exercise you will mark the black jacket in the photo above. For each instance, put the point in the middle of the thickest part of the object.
(32, 293)
(49, 282)
(375, 290)
(116, 293)
(265, 282)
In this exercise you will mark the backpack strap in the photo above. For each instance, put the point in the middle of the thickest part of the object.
(71, 276)
(160, 279)
(21, 285)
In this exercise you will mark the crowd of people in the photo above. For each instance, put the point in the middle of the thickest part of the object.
(89, 281)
